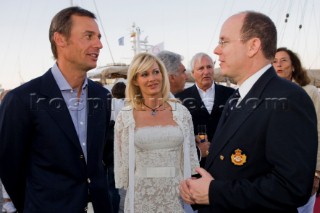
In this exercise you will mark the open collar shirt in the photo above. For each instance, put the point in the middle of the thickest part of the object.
(77, 106)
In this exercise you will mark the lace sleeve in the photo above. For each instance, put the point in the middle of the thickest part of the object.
(121, 152)
(194, 161)
(183, 117)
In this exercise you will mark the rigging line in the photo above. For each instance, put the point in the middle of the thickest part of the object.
(11, 31)
(278, 11)
(19, 71)
(282, 34)
(104, 33)
(303, 12)
(285, 25)
(187, 29)
(307, 34)
(262, 5)
(273, 10)
(317, 29)
(295, 39)
(21, 42)
(300, 23)
(296, 24)
(216, 27)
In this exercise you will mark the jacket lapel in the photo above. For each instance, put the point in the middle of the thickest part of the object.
(196, 95)
(249, 103)
(98, 115)
(57, 107)
(218, 99)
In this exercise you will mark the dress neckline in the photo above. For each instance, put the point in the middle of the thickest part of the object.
(157, 126)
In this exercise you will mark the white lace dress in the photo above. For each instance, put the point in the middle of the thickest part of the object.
(151, 161)
(158, 147)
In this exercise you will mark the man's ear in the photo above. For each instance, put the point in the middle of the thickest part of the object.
(192, 72)
(59, 39)
(171, 77)
(254, 45)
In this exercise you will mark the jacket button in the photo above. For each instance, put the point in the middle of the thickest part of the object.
(86, 209)
(81, 156)
(88, 180)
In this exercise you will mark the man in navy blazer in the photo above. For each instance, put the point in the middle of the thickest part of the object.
(53, 128)
(263, 154)
(205, 99)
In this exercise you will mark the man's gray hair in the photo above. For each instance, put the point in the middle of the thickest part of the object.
(197, 58)
(171, 61)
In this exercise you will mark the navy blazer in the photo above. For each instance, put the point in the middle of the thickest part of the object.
(264, 155)
(42, 165)
(191, 99)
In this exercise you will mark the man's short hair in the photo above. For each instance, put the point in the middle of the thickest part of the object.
(171, 61)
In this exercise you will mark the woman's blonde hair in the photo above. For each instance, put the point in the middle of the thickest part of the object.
(140, 63)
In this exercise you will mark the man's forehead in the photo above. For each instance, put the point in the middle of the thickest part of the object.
(203, 60)
(232, 25)
(181, 68)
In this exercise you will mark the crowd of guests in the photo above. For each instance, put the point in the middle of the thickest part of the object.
(71, 142)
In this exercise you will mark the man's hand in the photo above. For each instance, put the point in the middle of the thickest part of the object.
(203, 147)
(185, 192)
(196, 190)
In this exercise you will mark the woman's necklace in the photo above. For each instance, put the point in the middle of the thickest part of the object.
(153, 110)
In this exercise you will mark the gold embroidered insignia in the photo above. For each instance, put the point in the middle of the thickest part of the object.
(237, 158)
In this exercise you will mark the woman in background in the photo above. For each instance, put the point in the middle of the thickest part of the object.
(7, 205)
(154, 141)
(288, 66)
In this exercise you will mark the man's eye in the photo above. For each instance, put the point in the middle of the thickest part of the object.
(89, 36)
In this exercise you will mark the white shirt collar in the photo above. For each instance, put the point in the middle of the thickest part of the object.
(201, 92)
(207, 97)
(245, 87)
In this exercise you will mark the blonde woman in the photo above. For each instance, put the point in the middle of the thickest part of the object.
(154, 141)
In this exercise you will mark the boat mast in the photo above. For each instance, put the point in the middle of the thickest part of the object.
(138, 45)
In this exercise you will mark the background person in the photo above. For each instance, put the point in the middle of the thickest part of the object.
(176, 70)
(118, 95)
(53, 128)
(264, 152)
(288, 66)
(154, 141)
(118, 102)
(7, 206)
(205, 99)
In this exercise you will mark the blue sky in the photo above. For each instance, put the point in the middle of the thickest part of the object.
(185, 27)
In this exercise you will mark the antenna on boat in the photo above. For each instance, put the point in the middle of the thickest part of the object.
(138, 45)
(74, 3)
